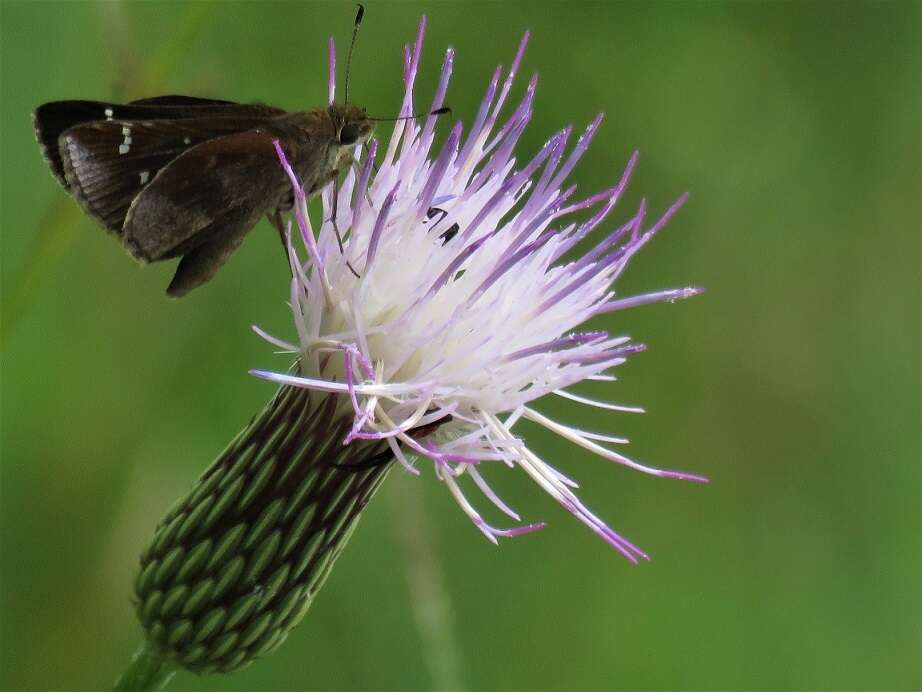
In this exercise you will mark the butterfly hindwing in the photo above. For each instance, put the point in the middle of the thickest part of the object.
(206, 191)
(202, 262)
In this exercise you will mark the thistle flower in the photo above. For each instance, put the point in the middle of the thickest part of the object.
(455, 300)
(442, 295)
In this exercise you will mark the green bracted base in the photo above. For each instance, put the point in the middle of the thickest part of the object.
(236, 563)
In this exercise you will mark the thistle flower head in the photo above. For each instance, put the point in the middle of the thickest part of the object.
(457, 299)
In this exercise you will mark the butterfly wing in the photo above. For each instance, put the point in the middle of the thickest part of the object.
(179, 100)
(216, 188)
(199, 264)
(51, 120)
(107, 163)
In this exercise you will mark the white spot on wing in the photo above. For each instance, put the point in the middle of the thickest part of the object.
(186, 140)
(145, 176)
(126, 145)
(109, 113)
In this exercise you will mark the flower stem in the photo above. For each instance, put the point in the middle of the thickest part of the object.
(147, 671)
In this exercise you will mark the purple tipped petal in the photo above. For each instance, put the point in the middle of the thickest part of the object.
(664, 219)
(510, 77)
(379, 227)
(517, 116)
(417, 51)
(541, 187)
(361, 190)
(438, 171)
(439, 98)
(582, 144)
(648, 298)
(563, 342)
(481, 118)
(303, 222)
(520, 530)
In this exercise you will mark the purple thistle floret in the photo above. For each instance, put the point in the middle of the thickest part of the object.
(466, 309)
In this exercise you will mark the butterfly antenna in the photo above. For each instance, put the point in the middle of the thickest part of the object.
(438, 111)
(355, 32)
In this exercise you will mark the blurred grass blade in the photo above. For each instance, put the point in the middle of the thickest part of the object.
(167, 60)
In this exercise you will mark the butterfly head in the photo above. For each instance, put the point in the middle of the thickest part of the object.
(351, 124)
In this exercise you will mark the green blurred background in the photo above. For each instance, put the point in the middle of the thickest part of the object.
(793, 383)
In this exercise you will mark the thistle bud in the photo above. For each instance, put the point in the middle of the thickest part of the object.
(237, 562)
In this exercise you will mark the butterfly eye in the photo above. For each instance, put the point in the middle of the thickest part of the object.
(348, 134)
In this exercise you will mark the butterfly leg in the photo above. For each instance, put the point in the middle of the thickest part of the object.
(335, 213)
(275, 218)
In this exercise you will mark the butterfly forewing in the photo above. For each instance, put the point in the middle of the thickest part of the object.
(180, 100)
(51, 120)
(107, 163)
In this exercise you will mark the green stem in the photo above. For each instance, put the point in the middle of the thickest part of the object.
(147, 671)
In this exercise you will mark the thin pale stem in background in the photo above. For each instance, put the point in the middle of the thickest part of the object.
(429, 599)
